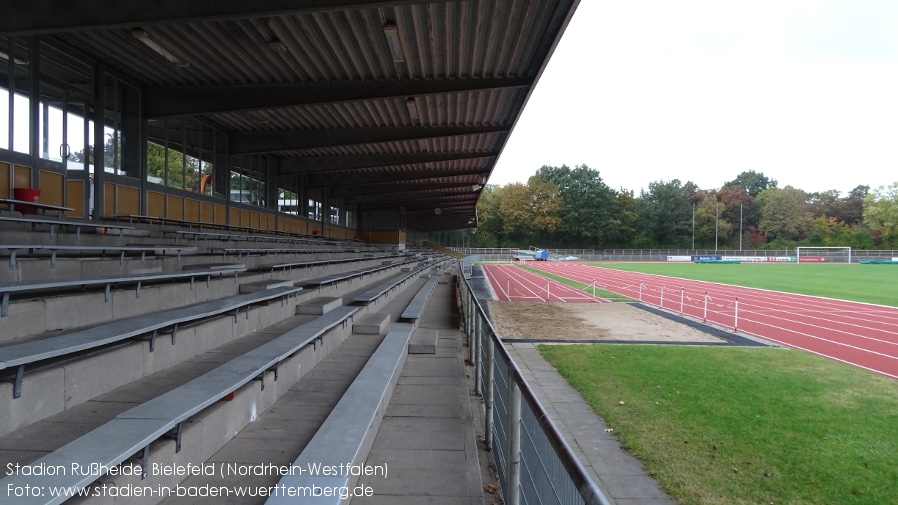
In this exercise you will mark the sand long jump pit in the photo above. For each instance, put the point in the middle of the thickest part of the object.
(595, 323)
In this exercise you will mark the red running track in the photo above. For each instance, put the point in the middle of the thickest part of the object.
(518, 285)
(860, 334)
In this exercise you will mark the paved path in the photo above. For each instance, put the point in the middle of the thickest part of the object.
(619, 475)
(427, 435)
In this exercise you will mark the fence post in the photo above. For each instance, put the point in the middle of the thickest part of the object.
(736, 316)
(682, 296)
(473, 343)
(488, 399)
(478, 362)
(662, 296)
(513, 476)
(705, 317)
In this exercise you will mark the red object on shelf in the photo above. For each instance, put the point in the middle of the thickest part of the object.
(27, 195)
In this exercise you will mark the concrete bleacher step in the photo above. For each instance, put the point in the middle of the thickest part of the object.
(371, 324)
(214, 266)
(253, 287)
(424, 341)
(319, 306)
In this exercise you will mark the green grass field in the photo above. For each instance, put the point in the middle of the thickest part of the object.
(744, 426)
(862, 283)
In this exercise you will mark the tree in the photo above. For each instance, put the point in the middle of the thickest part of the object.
(709, 224)
(881, 213)
(489, 222)
(785, 215)
(545, 205)
(665, 213)
(737, 206)
(850, 210)
(586, 217)
(624, 219)
(752, 182)
(516, 213)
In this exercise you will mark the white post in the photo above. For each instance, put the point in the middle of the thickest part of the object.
(705, 317)
(640, 291)
(548, 295)
(508, 286)
(682, 296)
(736, 317)
(593, 288)
(662, 296)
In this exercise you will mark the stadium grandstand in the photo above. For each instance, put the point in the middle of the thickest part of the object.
(215, 286)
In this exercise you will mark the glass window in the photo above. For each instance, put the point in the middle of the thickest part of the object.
(21, 125)
(5, 105)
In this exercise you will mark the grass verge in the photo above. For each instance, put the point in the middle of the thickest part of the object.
(744, 426)
(586, 288)
(861, 283)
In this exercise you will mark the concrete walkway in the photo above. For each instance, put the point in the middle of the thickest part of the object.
(427, 435)
(619, 475)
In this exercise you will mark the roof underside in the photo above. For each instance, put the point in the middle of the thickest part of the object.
(316, 84)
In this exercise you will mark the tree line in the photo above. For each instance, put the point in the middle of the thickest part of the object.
(563, 207)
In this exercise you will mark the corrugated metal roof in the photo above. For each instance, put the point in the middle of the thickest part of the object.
(455, 44)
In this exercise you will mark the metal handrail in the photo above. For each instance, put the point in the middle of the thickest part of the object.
(586, 487)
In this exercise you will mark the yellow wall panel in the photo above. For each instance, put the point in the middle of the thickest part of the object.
(244, 218)
(5, 174)
(52, 186)
(175, 207)
(207, 214)
(109, 200)
(235, 217)
(75, 197)
(192, 210)
(21, 177)
(221, 214)
(128, 200)
(155, 204)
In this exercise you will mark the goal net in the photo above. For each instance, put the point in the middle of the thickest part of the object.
(823, 254)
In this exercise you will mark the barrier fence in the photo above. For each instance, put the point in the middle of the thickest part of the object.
(534, 462)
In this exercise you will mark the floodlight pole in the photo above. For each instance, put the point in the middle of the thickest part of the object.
(716, 225)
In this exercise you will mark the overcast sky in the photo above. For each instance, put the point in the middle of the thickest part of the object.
(805, 91)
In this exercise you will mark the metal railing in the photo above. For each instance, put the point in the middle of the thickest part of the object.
(534, 462)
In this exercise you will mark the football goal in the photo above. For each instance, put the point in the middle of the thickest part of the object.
(808, 254)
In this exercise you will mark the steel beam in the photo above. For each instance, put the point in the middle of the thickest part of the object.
(55, 16)
(350, 179)
(319, 164)
(266, 142)
(190, 100)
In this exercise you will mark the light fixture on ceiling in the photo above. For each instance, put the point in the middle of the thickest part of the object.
(142, 35)
(421, 145)
(476, 187)
(437, 211)
(412, 105)
(483, 180)
(392, 35)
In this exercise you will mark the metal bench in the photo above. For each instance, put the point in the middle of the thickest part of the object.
(331, 279)
(19, 355)
(43, 207)
(348, 432)
(158, 250)
(31, 287)
(247, 251)
(382, 288)
(133, 431)
(416, 306)
(55, 223)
